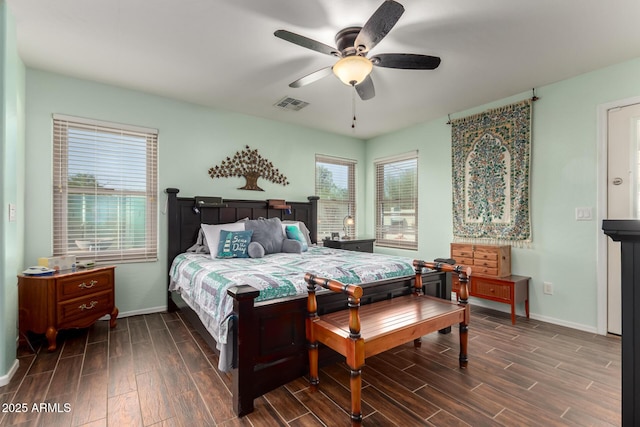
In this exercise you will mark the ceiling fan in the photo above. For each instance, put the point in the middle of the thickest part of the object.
(353, 44)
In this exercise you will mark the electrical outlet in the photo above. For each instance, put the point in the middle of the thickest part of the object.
(547, 288)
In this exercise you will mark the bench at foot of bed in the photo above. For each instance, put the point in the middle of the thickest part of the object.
(361, 332)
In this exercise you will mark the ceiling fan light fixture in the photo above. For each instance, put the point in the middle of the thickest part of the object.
(352, 70)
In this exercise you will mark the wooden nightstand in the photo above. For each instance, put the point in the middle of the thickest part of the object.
(358, 245)
(65, 300)
(510, 290)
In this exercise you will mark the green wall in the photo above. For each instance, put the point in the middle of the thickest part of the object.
(12, 92)
(191, 140)
(564, 176)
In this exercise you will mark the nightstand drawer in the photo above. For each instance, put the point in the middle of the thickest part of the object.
(84, 283)
(510, 290)
(82, 312)
(358, 246)
(484, 288)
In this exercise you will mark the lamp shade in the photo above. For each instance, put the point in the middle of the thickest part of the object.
(352, 70)
(347, 222)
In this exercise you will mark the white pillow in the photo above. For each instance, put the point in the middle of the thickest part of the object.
(284, 226)
(212, 234)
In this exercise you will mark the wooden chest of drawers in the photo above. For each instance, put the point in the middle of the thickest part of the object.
(488, 260)
(65, 300)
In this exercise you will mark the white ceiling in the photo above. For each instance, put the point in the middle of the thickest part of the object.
(222, 53)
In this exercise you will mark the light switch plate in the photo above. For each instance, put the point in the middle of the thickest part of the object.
(583, 214)
(12, 212)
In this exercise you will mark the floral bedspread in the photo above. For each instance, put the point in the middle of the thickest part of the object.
(203, 281)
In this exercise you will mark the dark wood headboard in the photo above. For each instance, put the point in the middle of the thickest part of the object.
(184, 222)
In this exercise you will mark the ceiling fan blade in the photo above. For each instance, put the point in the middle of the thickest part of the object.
(406, 61)
(378, 25)
(310, 78)
(306, 42)
(365, 89)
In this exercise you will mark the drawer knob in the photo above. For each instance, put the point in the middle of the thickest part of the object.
(88, 307)
(91, 284)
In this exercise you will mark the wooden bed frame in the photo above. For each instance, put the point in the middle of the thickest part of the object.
(269, 342)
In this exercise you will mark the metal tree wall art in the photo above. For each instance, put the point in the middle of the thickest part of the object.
(251, 165)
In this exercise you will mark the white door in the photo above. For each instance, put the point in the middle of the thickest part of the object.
(622, 195)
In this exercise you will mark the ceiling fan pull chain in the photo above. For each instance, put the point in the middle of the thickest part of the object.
(353, 107)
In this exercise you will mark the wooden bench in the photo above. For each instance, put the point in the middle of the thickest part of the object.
(361, 332)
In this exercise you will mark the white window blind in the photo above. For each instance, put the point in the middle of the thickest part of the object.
(105, 187)
(397, 201)
(336, 187)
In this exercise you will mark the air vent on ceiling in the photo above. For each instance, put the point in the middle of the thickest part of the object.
(291, 104)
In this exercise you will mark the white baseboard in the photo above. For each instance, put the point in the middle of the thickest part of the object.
(4, 380)
(137, 312)
(572, 325)
(505, 308)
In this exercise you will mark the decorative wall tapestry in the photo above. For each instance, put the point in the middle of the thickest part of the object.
(251, 165)
(491, 154)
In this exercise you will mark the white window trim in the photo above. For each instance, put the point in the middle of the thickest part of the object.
(380, 240)
(60, 158)
(351, 203)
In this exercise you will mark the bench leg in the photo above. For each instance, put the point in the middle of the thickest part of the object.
(356, 396)
(417, 343)
(314, 379)
(464, 339)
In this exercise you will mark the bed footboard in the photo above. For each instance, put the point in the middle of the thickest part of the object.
(270, 347)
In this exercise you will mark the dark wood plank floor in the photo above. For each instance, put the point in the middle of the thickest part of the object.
(154, 370)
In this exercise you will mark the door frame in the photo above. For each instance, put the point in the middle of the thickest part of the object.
(601, 268)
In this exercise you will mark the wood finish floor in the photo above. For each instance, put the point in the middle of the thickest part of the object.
(155, 370)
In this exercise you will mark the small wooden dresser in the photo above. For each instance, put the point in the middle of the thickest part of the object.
(65, 300)
(489, 260)
(491, 276)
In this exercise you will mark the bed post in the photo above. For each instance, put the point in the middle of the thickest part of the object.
(246, 344)
(313, 220)
(173, 237)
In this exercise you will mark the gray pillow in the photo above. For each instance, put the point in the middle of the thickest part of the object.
(255, 250)
(291, 246)
(267, 232)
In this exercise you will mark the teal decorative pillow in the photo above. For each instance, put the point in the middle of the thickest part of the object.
(293, 232)
(234, 244)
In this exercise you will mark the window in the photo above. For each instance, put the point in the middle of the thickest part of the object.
(397, 201)
(336, 187)
(104, 195)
